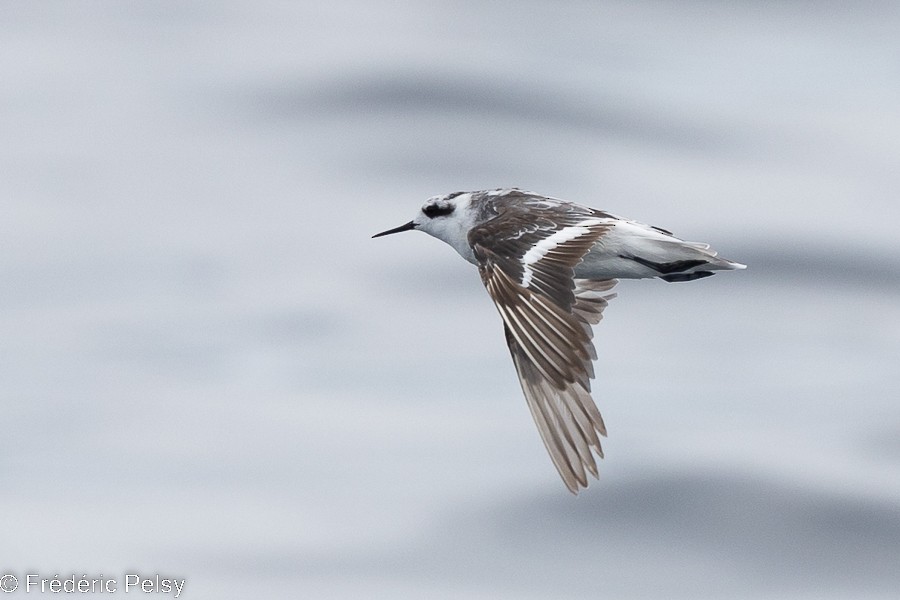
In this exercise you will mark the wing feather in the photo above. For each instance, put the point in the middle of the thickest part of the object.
(547, 316)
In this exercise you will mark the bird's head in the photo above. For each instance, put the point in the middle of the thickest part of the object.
(448, 218)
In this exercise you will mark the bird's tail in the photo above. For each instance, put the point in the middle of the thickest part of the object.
(672, 259)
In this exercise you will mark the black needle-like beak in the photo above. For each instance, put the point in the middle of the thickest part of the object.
(406, 227)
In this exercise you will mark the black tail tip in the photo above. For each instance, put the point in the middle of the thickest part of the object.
(686, 276)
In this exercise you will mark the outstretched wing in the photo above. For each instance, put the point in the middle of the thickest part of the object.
(527, 255)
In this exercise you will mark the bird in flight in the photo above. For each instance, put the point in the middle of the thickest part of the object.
(549, 266)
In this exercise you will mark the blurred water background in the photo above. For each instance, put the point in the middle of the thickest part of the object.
(208, 370)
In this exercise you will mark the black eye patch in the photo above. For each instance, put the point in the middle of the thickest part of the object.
(437, 210)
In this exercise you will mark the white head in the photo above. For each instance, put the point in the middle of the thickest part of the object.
(448, 218)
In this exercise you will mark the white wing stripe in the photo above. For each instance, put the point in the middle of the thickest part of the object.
(549, 243)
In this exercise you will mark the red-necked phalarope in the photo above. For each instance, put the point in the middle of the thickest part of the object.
(549, 265)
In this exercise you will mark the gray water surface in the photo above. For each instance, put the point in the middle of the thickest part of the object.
(208, 369)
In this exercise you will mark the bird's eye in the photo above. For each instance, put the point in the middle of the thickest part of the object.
(437, 210)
